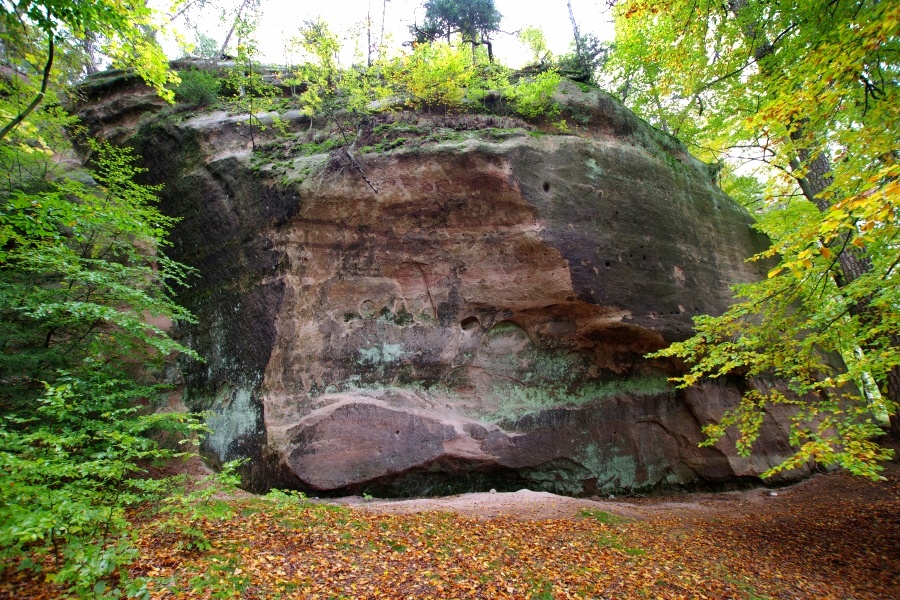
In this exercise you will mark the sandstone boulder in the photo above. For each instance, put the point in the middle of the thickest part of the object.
(478, 322)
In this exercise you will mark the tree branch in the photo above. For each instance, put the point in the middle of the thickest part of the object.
(353, 160)
(40, 95)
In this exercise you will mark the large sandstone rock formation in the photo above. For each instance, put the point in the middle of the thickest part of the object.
(478, 322)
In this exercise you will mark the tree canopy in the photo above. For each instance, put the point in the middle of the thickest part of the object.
(808, 91)
(474, 20)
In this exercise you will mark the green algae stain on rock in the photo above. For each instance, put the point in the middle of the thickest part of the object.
(515, 401)
(593, 169)
(613, 469)
(381, 356)
(232, 416)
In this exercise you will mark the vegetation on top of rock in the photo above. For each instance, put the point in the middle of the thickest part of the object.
(197, 87)
(435, 78)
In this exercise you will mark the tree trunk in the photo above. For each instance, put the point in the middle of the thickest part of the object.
(234, 23)
(381, 39)
(369, 35)
(90, 53)
(853, 264)
(578, 48)
(892, 385)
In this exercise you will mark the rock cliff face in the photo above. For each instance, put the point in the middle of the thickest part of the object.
(479, 322)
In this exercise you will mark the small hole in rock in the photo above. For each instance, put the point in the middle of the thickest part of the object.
(397, 432)
(469, 323)
(608, 264)
(546, 187)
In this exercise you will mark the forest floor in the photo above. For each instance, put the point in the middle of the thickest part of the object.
(831, 536)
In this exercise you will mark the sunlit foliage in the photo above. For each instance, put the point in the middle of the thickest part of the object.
(808, 90)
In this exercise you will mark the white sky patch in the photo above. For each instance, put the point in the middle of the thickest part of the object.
(281, 19)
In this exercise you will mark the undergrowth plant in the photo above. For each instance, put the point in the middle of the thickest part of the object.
(80, 273)
(436, 76)
(185, 514)
(533, 98)
(197, 87)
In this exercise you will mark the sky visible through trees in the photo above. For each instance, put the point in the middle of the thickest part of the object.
(281, 18)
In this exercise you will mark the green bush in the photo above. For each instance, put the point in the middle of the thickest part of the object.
(435, 76)
(70, 468)
(534, 97)
(197, 88)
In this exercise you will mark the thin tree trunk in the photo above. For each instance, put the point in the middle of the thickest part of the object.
(234, 23)
(578, 48)
(369, 35)
(381, 39)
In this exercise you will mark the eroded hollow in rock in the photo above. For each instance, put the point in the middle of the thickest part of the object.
(470, 323)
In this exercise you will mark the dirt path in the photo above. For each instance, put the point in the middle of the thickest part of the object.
(524, 504)
(528, 505)
(831, 536)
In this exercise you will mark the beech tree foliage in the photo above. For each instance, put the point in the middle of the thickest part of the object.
(33, 32)
(808, 91)
(83, 284)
